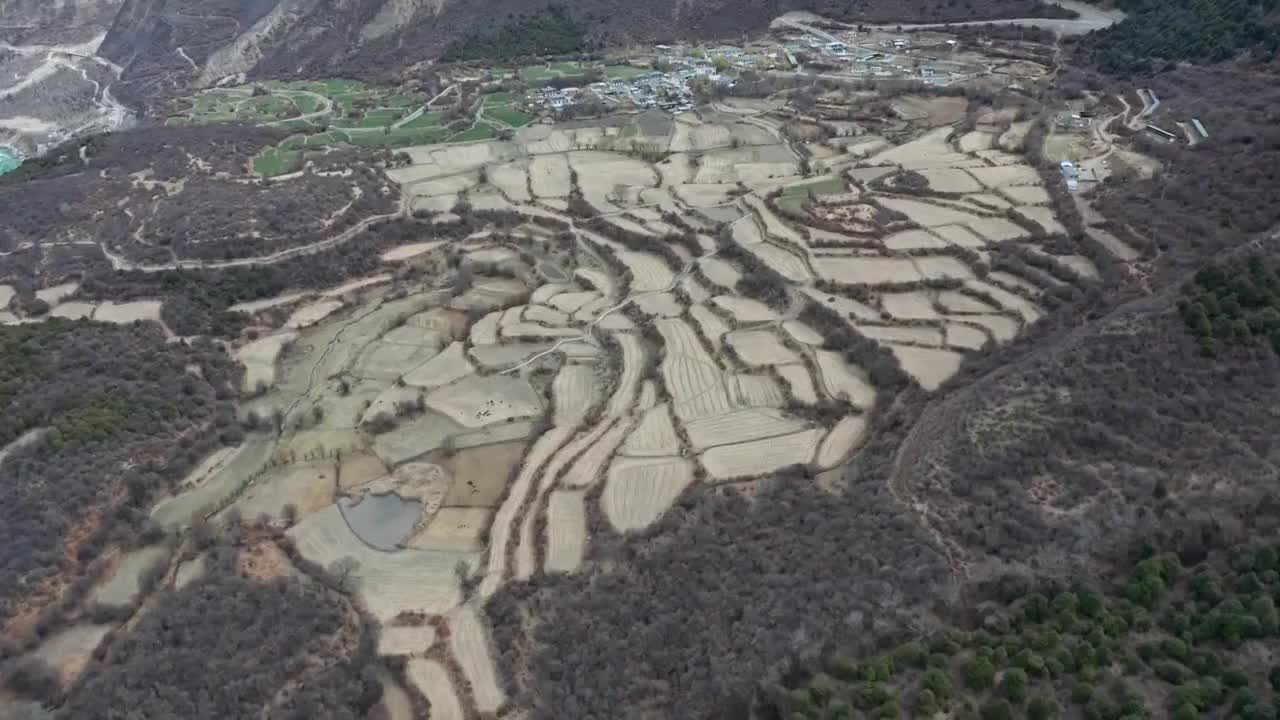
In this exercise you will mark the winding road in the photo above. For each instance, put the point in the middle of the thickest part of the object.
(1090, 18)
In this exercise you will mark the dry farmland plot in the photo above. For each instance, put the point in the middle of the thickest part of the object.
(846, 307)
(720, 272)
(745, 310)
(432, 680)
(590, 465)
(841, 441)
(543, 447)
(309, 487)
(899, 333)
(70, 650)
(480, 474)
(914, 305)
(868, 270)
(633, 361)
(951, 180)
(648, 272)
(1027, 194)
(755, 390)
(929, 367)
(913, 239)
(760, 347)
(549, 176)
(566, 530)
(124, 582)
(800, 381)
(841, 380)
(312, 313)
(802, 333)
(712, 326)
(638, 491)
(525, 562)
(447, 367)
(457, 529)
(692, 376)
(654, 435)
(479, 401)
(1006, 175)
(572, 302)
(573, 392)
(739, 426)
(405, 640)
(1007, 299)
(470, 646)
(760, 457)
(388, 582)
(787, 263)
(124, 313)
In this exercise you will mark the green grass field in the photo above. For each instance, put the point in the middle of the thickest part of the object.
(622, 72)
(425, 120)
(498, 99)
(514, 118)
(795, 196)
(277, 162)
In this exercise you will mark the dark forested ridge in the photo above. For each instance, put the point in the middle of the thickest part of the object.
(123, 415)
(1165, 637)
(1233, 304)
(230, 646)
(1158, 31)
(554, 31)
(142, 197)
(332, 39)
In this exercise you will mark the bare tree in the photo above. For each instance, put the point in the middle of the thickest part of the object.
(343, 571)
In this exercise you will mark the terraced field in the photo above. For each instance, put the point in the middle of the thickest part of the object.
(716, 317)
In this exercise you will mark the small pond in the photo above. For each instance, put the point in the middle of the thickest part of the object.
(10, 159)
(382, 521)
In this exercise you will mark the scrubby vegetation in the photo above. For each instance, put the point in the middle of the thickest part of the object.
(1162, 640)
(229, 646)
(1157, 31)
(197, 301)
(158, 195)
(1233, 304)
(553, 31)
(123, 414)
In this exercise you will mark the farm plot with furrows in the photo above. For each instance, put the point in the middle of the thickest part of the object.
(516, 418)
(638, 490)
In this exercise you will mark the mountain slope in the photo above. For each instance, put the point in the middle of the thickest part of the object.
(169, 45)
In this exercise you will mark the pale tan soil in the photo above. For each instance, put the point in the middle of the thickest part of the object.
(477, 401)
(745, 310)
(458, 529)
(841, 441)
(739, 426)
(900, 333)
(914, 304)
(800, 381)
(480, 474)
(759, 457)
(711, 325)
(929, 367)
(760, 347)
(566, 530)
(654, 435)
(913, 239)
(755, 390)
(357, 470)
(410, 251)
(638, 491)
(840, 379)
(445, 368)
(432, 680)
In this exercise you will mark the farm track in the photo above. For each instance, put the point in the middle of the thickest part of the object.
(121, 263)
